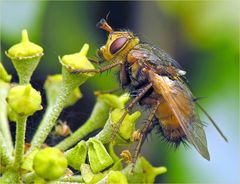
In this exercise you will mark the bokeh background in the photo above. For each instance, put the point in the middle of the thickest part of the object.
(202, 35)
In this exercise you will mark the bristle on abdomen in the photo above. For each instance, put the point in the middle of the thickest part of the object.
(173, 136)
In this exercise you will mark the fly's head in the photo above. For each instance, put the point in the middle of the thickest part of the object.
(118, 44)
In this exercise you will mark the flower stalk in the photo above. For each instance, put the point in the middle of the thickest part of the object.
(5, 157)
(4, 124)
(20, 140)
(97, 118)
(71, 80)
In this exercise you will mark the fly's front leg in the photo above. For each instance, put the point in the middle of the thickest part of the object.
(100, 70)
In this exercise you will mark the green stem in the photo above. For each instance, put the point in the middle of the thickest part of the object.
(97, 120)
(24, 80)
(105, 134)
(5, 158)
(20, 139)
(81, 132)
(50, 119)
(70, 82)
(76, 178)
(4, 124)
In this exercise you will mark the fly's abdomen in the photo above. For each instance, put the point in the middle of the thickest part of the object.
(169, 125)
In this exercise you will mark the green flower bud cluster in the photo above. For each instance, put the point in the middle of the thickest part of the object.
(98, 117)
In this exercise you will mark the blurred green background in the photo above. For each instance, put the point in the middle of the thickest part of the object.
(203, 36)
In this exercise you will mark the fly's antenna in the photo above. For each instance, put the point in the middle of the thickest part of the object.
(107, 16)
(104, 25)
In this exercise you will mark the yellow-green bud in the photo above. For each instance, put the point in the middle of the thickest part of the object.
(128, 125)
(12, 115)
(114, 100)
(4, 75)
(24, 100)
(143, 172)
(114, 177)
(53, 85)
(50, 163)
(101, 109)
(25, 57)
(99, 158)
(77, 155)
(88, 176)
(78, 61)
(25, 48)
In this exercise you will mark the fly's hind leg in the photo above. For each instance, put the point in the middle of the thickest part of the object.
(144, 90)
(143, 133)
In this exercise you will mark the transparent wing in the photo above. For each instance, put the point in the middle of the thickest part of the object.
(212, 121)
(179, 99)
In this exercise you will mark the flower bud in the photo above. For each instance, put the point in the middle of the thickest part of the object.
(53, 85)
(143, 172)
(88, 176)
(114, 100)
(4, 76)
(77, 155)
(136, 135)
(99, 158)
(125, 131)
(113, 177)
(12, 115)
(77, 61)
(128, 125)
(24, 100)
(101, 109)
(50, 163)
(73, 63)
(25, 57)
(126, 156)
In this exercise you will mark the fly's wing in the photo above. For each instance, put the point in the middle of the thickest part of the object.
(157, 56)
(179, 99)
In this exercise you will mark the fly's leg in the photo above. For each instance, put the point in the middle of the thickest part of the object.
(129, 107)
(111, 91)
(100, 70)
(143, 133)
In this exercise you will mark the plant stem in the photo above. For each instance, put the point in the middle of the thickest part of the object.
(5, 158)
(4, 124)
(96, 120)
(76, 178)
(50, 119)
(81, 132)
(20, 139)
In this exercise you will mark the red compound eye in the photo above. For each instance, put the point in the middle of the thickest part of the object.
(117, 44)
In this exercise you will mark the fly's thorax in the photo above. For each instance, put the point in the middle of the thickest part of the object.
(118, 45)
